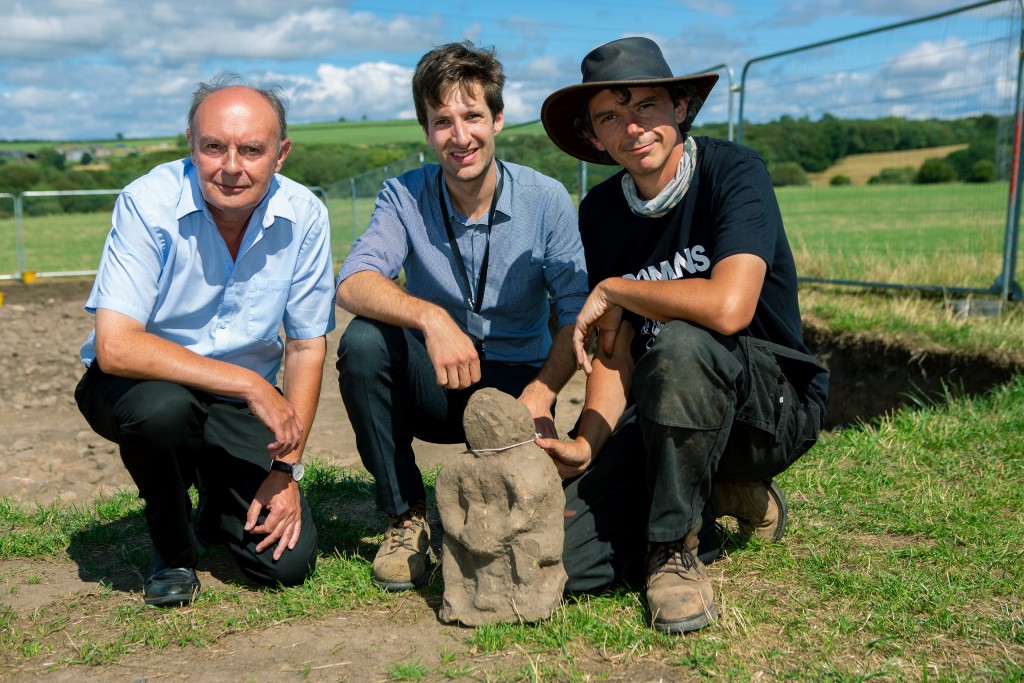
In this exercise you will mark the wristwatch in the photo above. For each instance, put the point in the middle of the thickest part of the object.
(296, 469)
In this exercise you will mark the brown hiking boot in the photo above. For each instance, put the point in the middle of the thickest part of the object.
(679, 592)
(759, 508)
(401, 563)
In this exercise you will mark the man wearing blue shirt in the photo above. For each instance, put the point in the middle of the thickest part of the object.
(206, 259)
(486, 247)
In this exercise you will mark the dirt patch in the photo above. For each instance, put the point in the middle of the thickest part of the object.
(50, 454)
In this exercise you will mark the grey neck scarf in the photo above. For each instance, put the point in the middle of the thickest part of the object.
(671, 194)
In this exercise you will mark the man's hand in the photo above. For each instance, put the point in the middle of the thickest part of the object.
(538, 399)
(570, 457)
(279, 495)
(451, 352)
(279, 416)
(598, 313)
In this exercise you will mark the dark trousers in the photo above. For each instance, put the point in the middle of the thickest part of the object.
(391, 394)
(172, 437)
(704, 408)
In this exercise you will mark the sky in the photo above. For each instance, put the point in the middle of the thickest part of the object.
(93, 69)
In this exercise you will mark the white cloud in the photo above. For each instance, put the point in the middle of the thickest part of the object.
(374, 90)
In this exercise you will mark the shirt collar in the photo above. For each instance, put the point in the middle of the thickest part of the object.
(273, 206)
(504, 206)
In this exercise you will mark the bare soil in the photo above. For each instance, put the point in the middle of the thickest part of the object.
(50, 454)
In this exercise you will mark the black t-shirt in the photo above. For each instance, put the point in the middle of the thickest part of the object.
(730, 208)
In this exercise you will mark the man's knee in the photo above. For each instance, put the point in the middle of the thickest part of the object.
(365, 344)
(685, 352)
(688, 378)
(159, 412)
(293, 567)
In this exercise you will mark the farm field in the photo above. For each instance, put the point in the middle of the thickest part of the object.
(859, 168)
(943, 235)
(329, 132)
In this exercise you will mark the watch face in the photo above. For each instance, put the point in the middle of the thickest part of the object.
(298, 469)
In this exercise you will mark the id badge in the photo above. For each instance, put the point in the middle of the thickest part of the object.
(475, 324)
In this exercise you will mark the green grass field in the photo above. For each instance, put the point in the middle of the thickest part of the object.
(942, 235)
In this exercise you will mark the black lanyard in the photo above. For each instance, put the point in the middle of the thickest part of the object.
(477, 302)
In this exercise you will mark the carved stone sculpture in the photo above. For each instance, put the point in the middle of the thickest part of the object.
(501, 506)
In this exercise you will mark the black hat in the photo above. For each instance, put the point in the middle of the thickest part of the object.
(619, 64)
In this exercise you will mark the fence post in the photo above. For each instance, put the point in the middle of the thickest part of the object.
(4, 195)
(19, 235)
(1006, 285)
(353, 181)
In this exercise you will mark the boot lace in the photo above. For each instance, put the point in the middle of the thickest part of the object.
(672, 558)
(403, 530)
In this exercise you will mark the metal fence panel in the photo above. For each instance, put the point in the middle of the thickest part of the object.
(352, 201)
(62, 231)
(949, 66)
(8, 239)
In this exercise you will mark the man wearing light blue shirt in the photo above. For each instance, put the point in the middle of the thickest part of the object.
(487, 247)
(207, 258)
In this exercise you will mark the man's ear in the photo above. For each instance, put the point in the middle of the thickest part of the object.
(286, 148)
(499, 122)
(682, 106)
(595, 143)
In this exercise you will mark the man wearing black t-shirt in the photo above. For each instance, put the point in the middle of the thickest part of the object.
(701, 388)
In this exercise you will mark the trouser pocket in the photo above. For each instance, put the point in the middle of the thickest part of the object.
(777, 381)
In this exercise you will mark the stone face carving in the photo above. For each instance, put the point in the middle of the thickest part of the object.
(502, 513)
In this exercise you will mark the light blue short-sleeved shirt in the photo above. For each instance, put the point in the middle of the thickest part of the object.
(165, 264)
(536, 253)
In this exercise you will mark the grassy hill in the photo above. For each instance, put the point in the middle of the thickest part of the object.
(357, 133)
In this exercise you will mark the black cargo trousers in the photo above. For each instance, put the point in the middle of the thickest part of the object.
(704, 408)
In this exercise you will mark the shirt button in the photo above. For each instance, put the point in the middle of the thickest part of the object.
(223, 325)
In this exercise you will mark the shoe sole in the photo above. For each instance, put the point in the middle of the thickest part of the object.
(780, 502)
(171, 600)
(399, 586)
(686, 625)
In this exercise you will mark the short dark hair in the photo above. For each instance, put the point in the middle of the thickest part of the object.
(271, 92)
(585, 129)
(457, 64)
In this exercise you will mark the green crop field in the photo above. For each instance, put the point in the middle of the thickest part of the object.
(945, 235)
(72, 242)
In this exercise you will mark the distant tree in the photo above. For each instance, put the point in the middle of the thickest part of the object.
(787, 173)
(839, 180)
(893, 176)
(983, 171)
(50, 157)
(86, 159)
(16, 178)
(342, 119)
(935, 171)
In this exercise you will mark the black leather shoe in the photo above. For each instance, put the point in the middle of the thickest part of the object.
(168, 586)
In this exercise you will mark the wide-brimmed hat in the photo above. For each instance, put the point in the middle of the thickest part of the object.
(623, 63)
